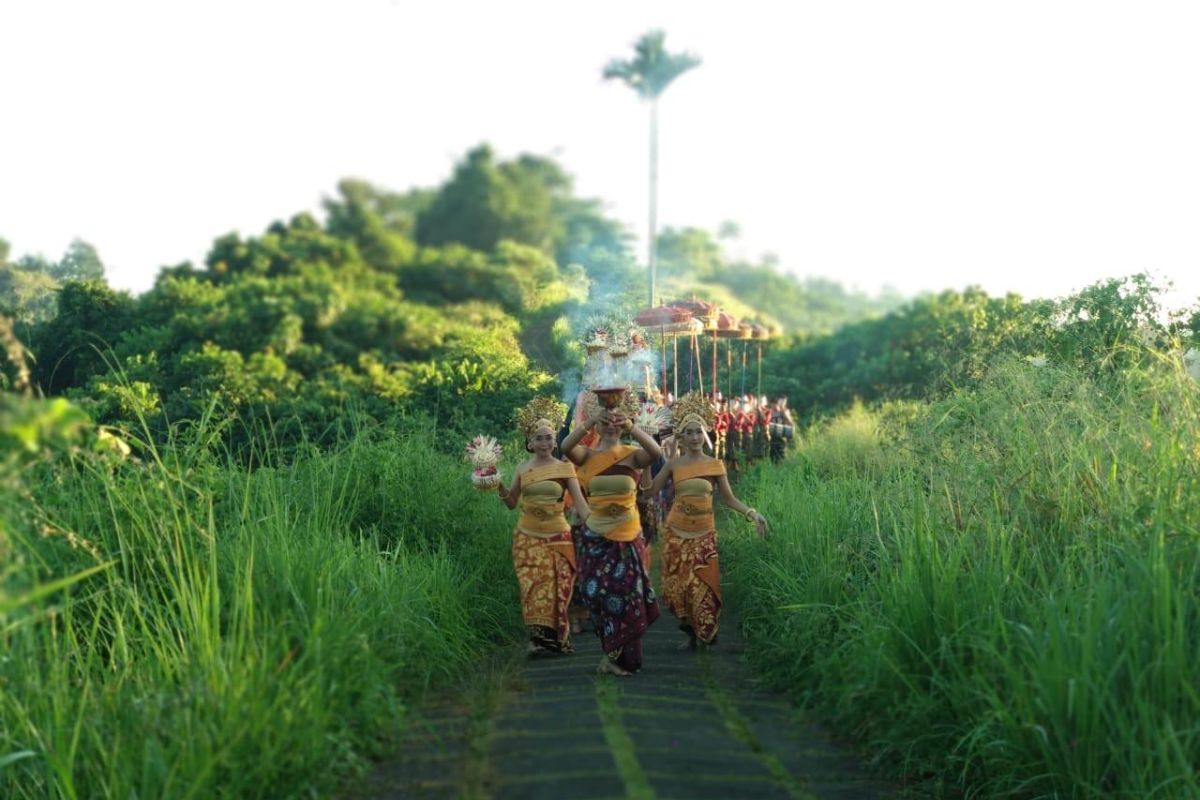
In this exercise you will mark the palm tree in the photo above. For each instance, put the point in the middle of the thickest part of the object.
(649, 73)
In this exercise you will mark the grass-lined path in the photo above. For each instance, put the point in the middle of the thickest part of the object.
(690, 725)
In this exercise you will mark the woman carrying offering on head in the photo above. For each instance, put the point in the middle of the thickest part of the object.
(612, 566)
(543, 554)
(691, 575)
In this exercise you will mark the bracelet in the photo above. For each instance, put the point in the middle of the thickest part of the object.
(750, 514)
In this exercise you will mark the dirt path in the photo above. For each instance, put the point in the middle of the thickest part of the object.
(689, 725)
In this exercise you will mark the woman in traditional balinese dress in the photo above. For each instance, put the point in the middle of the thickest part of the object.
(612, 568)
(543, 554)
(691, 574)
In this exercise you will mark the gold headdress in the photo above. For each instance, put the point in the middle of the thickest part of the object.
(541, 412)
(693, 407)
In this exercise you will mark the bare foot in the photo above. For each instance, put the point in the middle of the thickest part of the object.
(533, 650)
(609, 667)
(690, 644)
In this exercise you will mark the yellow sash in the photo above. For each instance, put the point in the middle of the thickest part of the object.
(549, 472)
(540, 516)
(691, 515)
(694, 514)
(543, 518)
(615, 506)
(711, 468)
(597, 462)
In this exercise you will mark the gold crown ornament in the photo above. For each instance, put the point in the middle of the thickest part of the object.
(693, 407)
(541, 412)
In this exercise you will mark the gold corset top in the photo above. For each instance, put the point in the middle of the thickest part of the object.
(613, 500)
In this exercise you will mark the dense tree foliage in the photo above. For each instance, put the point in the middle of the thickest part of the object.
(293, 328)
(29, 285)
(458, 301)
(528, 200)
(391, 305)
(934, 344)
(70, 346)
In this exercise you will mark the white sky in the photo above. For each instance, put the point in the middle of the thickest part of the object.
(1032, 146)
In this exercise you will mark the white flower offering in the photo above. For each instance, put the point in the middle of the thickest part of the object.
(484, 453)
(652, 418)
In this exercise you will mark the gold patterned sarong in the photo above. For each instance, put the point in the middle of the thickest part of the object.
(691, 569)
(546, 575)
(544, 556)
(692, 583)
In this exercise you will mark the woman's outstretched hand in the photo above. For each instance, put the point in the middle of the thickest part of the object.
(761, 525)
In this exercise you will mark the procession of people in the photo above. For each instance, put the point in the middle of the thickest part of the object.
(591, 503)
(618, 471)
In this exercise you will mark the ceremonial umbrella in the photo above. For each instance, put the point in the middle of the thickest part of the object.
(661, 316)
(706, 312)
(730, 329)
(701, 309)
(667, 319)
(761, 334)
(724, 325)
(745, 333)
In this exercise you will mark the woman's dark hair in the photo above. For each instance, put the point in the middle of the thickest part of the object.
(564, 431)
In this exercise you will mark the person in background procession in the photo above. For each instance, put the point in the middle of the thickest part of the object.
(761, 413)
(749, 424)
(691, 572)
(577, 610)
(783, 428)
(721, 428)
(666, 439)
(736, 435)
(650, 417)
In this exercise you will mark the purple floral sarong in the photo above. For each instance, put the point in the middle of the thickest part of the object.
(614, 584)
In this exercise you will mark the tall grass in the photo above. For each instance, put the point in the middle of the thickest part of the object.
(1003, 599)
(257, 634)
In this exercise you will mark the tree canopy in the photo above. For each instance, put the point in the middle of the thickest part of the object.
(652, 69)
(454, 301)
